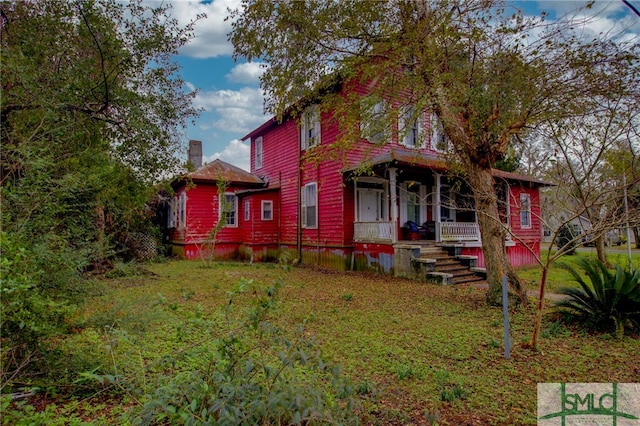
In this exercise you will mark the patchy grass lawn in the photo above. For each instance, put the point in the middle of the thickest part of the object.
(412, 351)
(558, 277)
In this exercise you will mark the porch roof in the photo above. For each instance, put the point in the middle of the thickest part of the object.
(397, 157)
(413, 158)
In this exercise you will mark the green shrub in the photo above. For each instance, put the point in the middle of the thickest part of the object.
(32, 310)
(252, 373)
(567, 239)
(610, 302)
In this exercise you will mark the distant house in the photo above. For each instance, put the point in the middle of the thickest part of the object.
(371, 207)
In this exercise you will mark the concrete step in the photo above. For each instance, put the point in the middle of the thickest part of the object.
(471, 279)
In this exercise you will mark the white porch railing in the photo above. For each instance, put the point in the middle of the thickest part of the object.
(373, 231)
(458, 231)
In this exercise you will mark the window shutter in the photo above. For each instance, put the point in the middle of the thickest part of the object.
(303, 206)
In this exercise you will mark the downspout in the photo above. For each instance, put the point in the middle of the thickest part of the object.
(394, 205)
(318, 214)
(299, 202)
(279, 212)
(436, 207)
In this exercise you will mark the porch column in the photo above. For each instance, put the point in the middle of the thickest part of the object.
(394, 205)
(436, 207)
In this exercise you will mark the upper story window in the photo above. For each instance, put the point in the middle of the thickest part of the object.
(267, 210)
(525, 211)
(229, 209)
(309, 198)
(439, 140)
(257, 152)
(310, 127)
(411, 127)
(373, 125)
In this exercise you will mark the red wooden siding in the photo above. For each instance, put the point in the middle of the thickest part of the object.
(286, 169)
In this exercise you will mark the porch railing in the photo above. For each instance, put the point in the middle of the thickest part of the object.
(458, 231)
(373, 231)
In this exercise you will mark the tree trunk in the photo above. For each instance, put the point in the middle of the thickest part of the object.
(601, 252)
(493, 235)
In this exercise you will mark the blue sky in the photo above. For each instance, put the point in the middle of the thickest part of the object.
(229, 92)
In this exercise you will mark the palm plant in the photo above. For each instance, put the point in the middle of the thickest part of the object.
(611, 300)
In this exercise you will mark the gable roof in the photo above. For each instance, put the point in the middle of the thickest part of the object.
(219, 170)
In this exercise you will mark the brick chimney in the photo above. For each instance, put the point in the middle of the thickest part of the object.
(195, 153)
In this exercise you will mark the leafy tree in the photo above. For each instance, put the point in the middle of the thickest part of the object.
(92, 106)
(488, 73)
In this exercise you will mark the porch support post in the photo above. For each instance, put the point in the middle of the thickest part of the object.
(436, 207)
(355, 199)
(394, 205)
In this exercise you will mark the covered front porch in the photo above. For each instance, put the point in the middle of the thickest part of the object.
(408, 197)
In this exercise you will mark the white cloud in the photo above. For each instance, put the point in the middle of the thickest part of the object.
(247, 73)
(238, 111)
(211, 32)
(236, 153)
(605, 18)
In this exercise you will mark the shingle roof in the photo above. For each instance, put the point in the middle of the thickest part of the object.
(218, 170)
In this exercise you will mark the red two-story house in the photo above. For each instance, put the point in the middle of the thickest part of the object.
(373, 206)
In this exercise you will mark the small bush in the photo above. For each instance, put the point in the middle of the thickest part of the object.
(610, 302)
(253, 373)
(449, 390)
(567, 239)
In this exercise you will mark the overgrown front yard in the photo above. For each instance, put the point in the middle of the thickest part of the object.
(413, 353)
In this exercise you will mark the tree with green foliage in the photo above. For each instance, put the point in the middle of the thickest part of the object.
(486, 71)
(91, 113)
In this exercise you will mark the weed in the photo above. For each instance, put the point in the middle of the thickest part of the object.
(347, 296)
(432, 418)
(365, 388)
(405, 372)
(125, 269)
(492, 342)
(449, 389)
(556, 329)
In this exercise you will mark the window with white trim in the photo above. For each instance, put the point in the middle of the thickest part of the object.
(177, 212)
(309, 198)
(182, 209)
(267, 210)
(172, 213)
(257, 152)
(525, 211)
(247, 211)
(438, 139)
(310, 127)
(228, 205)
(410, 127)
(373, 121)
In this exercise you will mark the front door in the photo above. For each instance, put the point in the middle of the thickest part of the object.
(369, 205)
